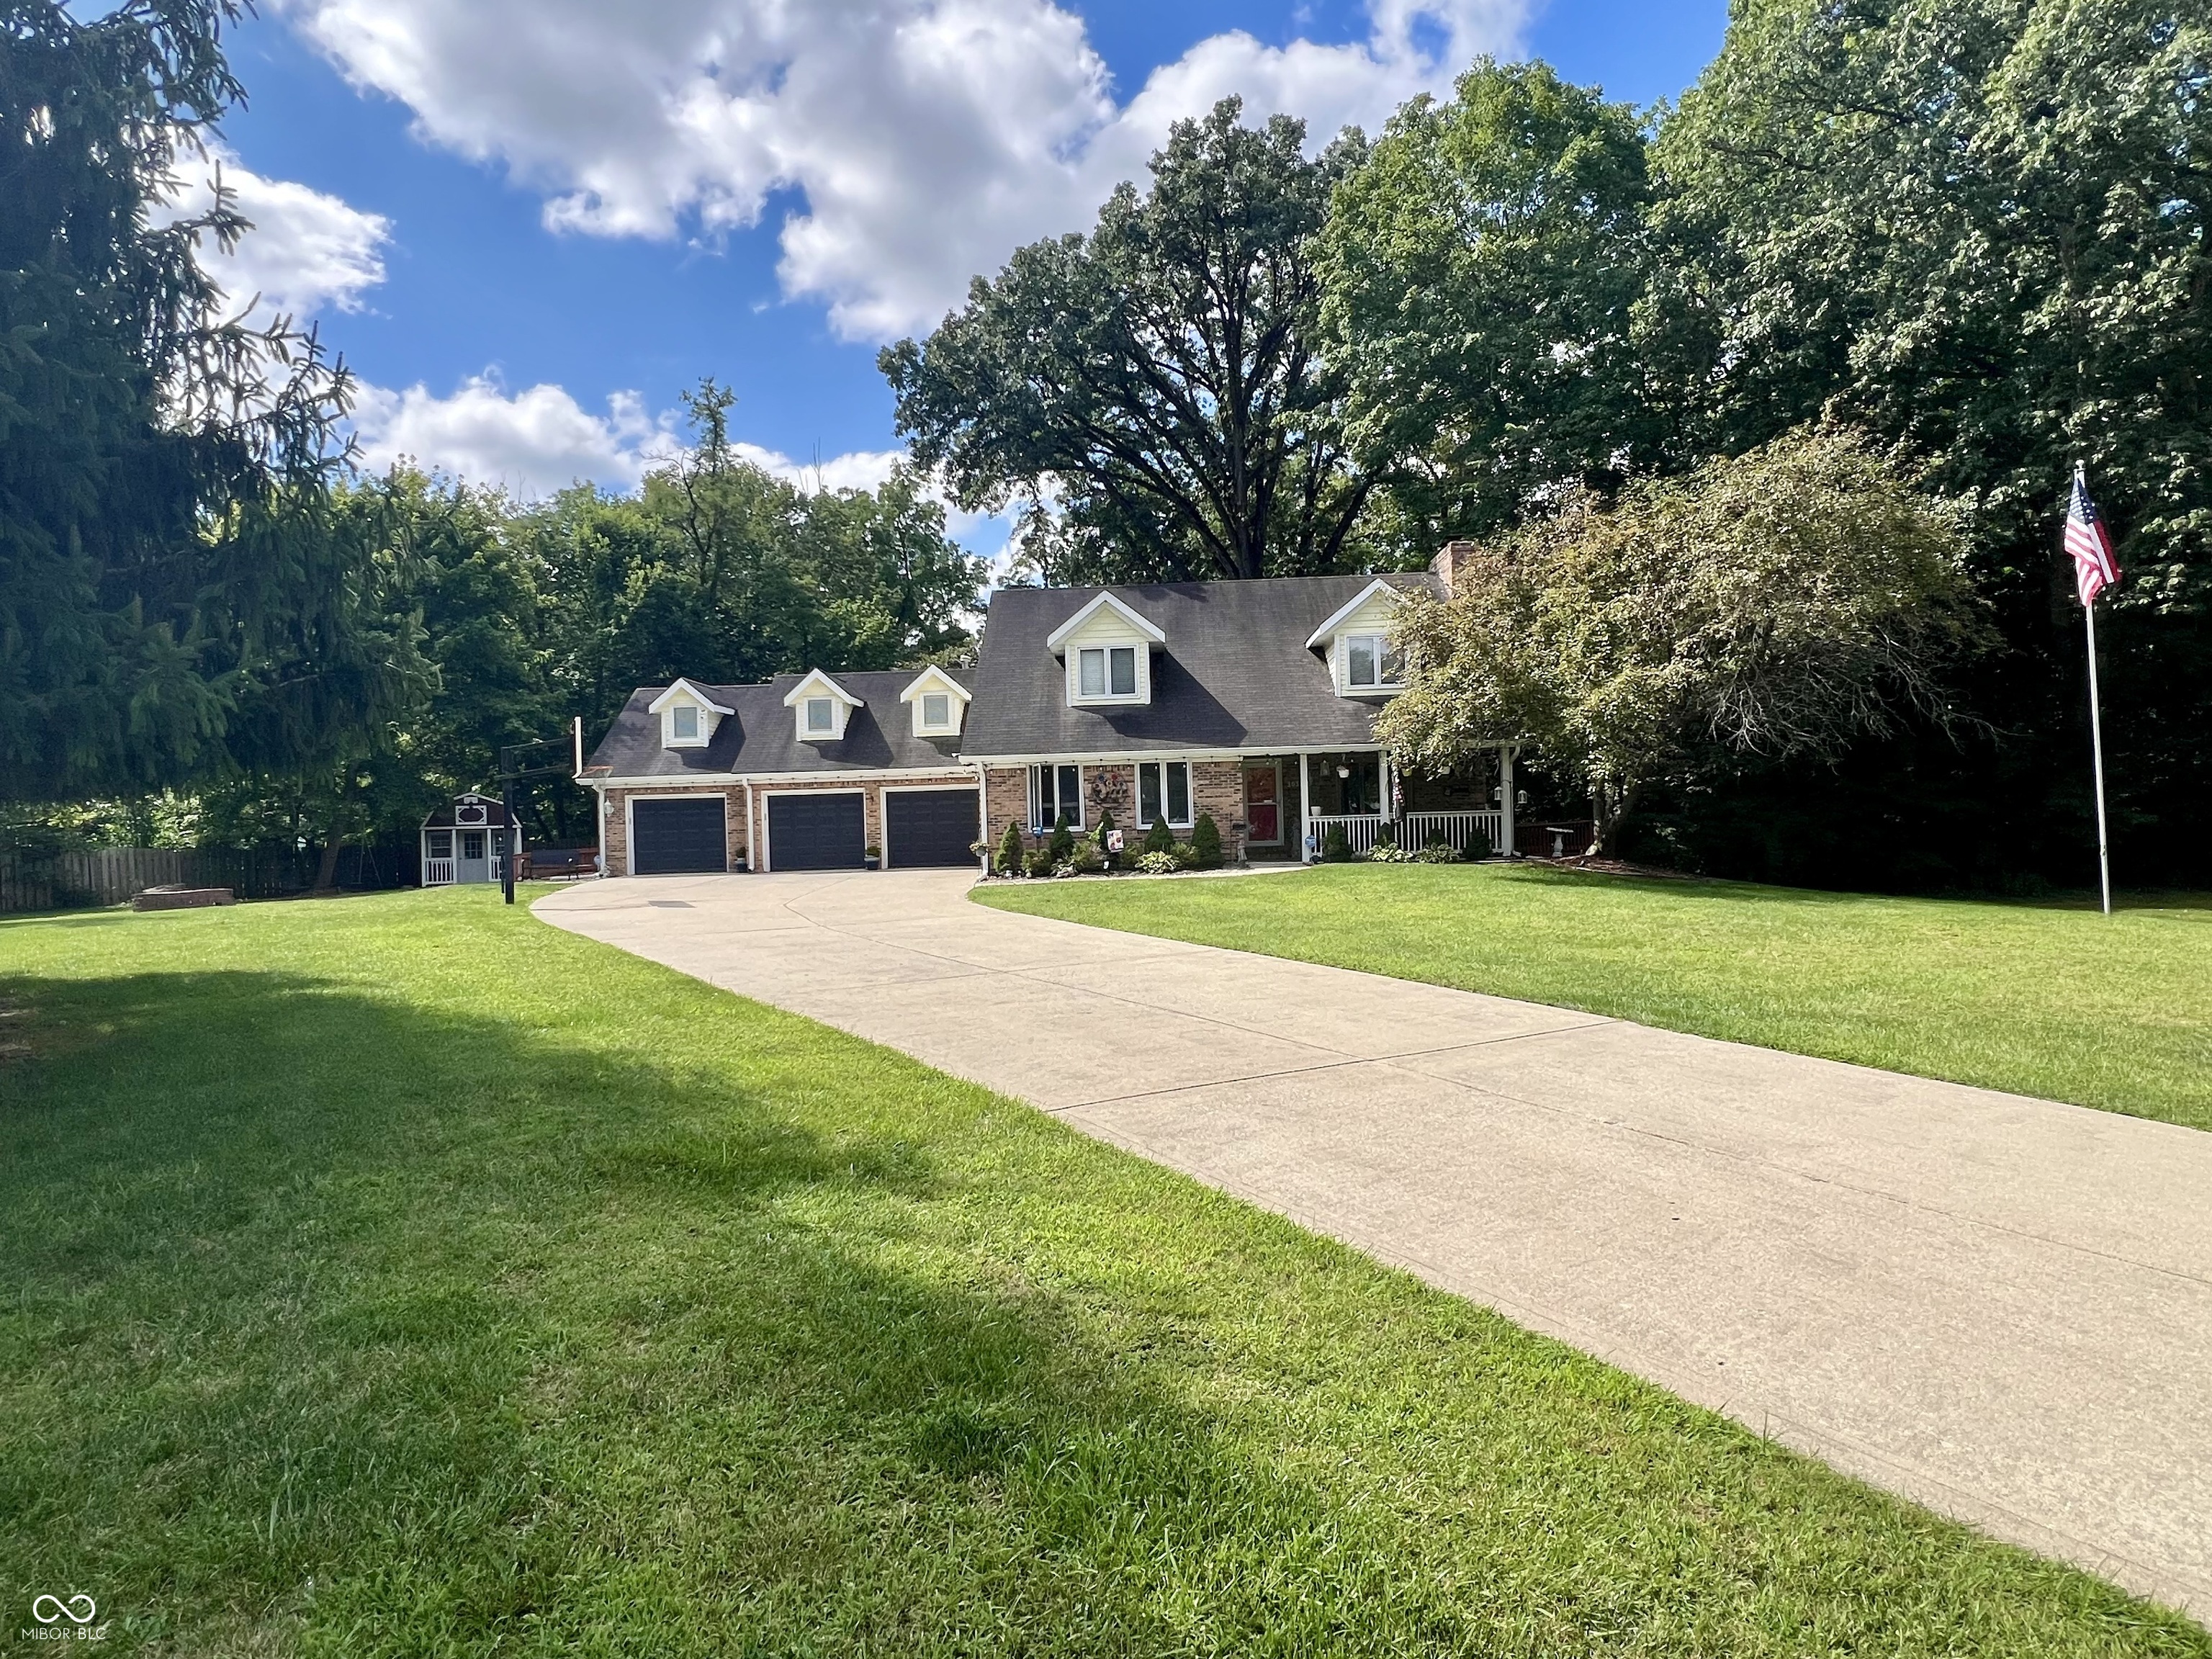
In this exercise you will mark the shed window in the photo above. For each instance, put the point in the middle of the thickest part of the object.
(819, 716)
(683, 722)
(442, 843)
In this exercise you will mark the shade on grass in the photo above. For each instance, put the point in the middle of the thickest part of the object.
(2039, 1000)
(401, 1275)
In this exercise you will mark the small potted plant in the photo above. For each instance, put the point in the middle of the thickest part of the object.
(875, 857)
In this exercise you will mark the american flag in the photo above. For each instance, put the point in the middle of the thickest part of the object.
(2090, 544)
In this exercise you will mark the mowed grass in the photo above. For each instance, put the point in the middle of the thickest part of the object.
(401, 1275)
(2052, 1000)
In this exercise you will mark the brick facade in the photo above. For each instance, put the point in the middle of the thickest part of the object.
(617, 823)
(741, 837)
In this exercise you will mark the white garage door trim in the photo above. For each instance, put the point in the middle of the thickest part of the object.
(928, 789)
(630, 820)
(767, 849)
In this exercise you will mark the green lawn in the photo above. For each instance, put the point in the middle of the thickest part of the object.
(2041, 1000)
(401, 1275)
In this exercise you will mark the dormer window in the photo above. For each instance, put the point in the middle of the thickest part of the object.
(1107, 670)
(1363, 660)
(688, 716)
(821, 706)
(1371, 663)
(1107, 647)
(939, 700)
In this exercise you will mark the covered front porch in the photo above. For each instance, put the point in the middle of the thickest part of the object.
(1362, 794)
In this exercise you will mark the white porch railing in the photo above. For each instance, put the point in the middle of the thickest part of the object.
(1457, 828)
(1360, 830)
(437, 872)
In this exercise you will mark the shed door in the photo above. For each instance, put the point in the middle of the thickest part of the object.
(817, 829)
(675, 837)
(928, 826)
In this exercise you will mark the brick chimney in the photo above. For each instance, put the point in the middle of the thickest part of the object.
(1454, 557)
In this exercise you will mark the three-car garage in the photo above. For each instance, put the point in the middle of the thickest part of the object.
(922, 826)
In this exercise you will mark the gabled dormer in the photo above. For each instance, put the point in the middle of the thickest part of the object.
(1362, 661)
(1107, 650)
(688, 716)
(939, 703)
(821, 706)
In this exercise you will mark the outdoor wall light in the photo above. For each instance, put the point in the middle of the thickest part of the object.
(1343, 771)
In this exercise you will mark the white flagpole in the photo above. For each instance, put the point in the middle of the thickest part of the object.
(2097, 758)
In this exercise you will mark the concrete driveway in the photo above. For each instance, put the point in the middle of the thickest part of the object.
(1999, 1306)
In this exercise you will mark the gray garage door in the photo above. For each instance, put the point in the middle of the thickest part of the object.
(819, 831)
(928, 826)
(677, 836)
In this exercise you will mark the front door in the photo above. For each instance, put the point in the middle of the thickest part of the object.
(1263, 804)
(475, 862)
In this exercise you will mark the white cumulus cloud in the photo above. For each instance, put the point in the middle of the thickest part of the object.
(540, 440)
(305, 252)
(926, 138)
(530, 443)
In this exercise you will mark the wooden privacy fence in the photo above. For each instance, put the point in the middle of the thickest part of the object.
(112, 875)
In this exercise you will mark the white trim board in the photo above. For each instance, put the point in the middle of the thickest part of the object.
(629, 824)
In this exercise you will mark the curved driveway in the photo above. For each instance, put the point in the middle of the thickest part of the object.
(1999, 1306)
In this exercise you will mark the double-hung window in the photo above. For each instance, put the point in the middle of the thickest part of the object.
(683, 723)
(820, 715)
(1371, 663)
(1163, 792)
(442, 843)
(1106, 670)
(1055, 793)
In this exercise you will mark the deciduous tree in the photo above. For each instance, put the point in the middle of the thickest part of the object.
(1160, 378)
(1785, 604)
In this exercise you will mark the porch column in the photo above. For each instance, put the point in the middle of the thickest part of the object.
(1505, 796)
(1305, 808)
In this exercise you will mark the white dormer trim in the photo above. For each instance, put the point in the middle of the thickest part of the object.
(1106, 652)
(929, 684)
(1056, 642)
(685, 695)
(1328, 631)
(817, 688)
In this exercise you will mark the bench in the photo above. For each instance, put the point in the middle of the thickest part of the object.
(558, 863)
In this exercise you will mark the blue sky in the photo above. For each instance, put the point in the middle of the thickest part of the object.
(528, 224)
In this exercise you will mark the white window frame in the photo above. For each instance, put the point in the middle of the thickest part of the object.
(937, 711)
(1159, 769)
(433, 835)
(1380, 644)
(827, 724)
(676, 714)
(1038, 822)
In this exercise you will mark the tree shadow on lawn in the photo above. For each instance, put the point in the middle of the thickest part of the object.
(339, 1320)
(346, 1324)
(1713, 887)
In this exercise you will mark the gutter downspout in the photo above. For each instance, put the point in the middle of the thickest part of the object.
(753, 842)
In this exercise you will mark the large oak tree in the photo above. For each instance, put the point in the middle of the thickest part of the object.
(1157, 380)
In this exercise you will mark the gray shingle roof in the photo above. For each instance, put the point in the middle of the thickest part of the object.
(1235, 672)
(762, 736)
